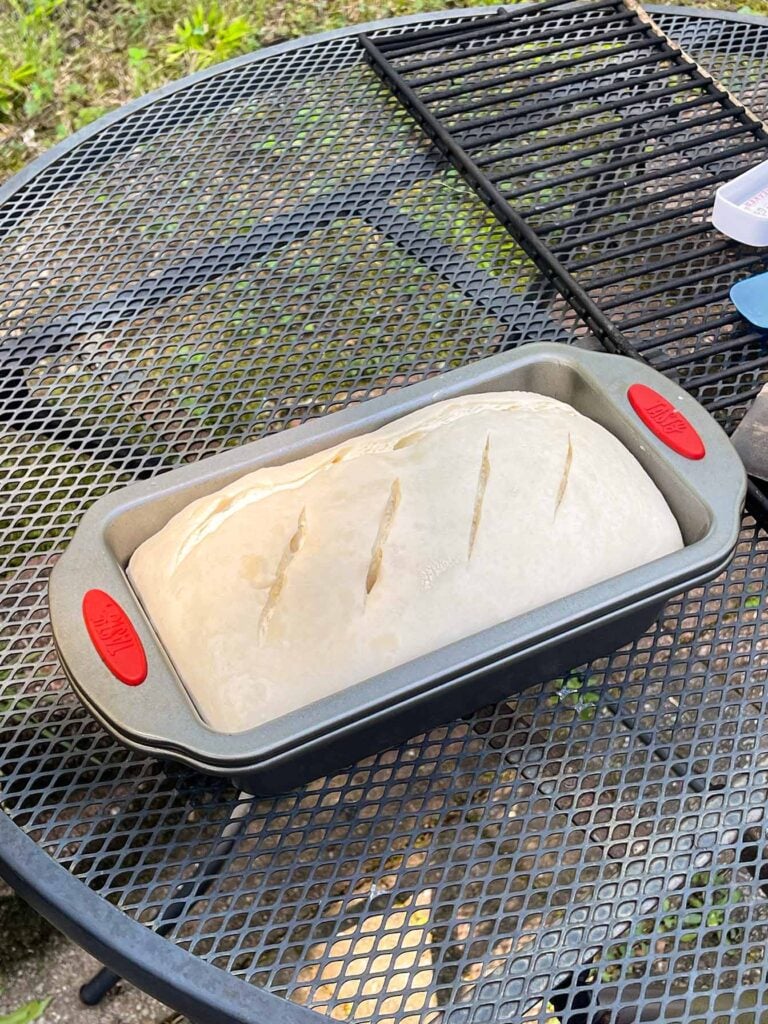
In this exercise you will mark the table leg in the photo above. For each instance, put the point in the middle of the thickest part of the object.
(97, 987)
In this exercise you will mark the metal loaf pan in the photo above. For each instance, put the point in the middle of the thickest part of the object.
(706, 495)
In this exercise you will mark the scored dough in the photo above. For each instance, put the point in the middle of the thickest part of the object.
(299, 580)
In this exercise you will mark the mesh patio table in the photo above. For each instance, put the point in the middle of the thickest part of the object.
(244, 250)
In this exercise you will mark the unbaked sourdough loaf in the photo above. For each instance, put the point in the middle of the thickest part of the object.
(299, 580)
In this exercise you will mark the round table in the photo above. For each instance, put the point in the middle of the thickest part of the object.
(255, 245)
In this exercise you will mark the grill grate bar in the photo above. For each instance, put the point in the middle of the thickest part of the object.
(715, 376)
(642, 201)
(741, 398)
(521, 76)
(737, 341)
(698, 302)
(604, 148)
(506, 61)
(649, 243)
(661, 289)
(454, 33)
(522, 113)
(635, 227)
(628, 161)
(546, 87)
(672, 110)
(690, 332)
(410, 43)
(625, 276)
(545, 105)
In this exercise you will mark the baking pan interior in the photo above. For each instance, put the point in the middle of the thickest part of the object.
(567, 382)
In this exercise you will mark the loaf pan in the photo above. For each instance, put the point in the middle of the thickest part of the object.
(675, 440)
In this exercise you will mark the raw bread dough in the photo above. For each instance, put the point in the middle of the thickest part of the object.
(299, 580)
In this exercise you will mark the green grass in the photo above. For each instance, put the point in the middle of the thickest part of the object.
(63, 63)
(26, 1014)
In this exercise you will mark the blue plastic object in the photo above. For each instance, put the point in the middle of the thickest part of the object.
(750, 297)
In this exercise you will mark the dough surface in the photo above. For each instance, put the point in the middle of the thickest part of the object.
(299, 580)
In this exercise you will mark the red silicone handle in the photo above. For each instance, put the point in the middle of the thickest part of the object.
(115, 639)
(666, 422)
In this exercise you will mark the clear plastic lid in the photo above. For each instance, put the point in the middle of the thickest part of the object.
(741, 207)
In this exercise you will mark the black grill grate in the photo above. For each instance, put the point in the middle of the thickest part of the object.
(270, 241)
(599, 144)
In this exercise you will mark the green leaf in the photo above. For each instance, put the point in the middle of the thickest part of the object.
(715, 918)
(41, 10)
(207, 36)
(27, 1013)
(752, 602)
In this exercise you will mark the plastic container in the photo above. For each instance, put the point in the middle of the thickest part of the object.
(741, 207)
(676, 441)
(750, 297)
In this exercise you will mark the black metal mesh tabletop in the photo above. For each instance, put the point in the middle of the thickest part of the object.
(267, 242)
